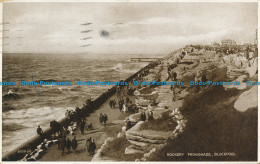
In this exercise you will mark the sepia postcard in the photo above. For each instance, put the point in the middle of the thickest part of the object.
(128, 81)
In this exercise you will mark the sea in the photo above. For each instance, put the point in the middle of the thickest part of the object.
(26, 107)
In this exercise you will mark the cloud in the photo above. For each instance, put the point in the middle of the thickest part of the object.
(131, 28)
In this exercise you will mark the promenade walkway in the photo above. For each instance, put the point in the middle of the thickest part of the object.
(99, 134)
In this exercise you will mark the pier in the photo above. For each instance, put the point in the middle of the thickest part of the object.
(145, 59)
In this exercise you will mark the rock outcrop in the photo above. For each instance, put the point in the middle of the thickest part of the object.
(242, 79)
(145, 139)
(252, 68)
(240, 62)
(247, 100)
(236, 60)
(98, 156)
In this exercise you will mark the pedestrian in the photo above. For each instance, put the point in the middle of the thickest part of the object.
(74, 144)
(68, 144)
(59, 142)
(92, 147)
(64, 131)
(114, 104)
(39, 131)
(118, 91)
(124, 107)
(128, 124)
(120, 105)
(150, 116)
(88, 142)
(110, 103)
(143, 116)
(63, 144)
(105, 119)
(127, 99)
(82, 126)
(101, 118)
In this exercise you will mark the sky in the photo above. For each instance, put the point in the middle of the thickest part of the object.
(123, 28)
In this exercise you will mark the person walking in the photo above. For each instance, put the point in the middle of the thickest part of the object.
(101, 118)
(39, 131)
(105, 119)
(120, 105)
(82, 126)
(128, 124)
(110, 103)
(127, 99)
(74, 144)
(143, 116)
(68, 144)
(124, 107)
(63, 145)
(59, 141)
(114, 104)
(88, 142)
(92, 147)
(150, 116)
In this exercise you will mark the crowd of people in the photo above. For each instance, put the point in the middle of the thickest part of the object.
(226, 49)
(63, 137)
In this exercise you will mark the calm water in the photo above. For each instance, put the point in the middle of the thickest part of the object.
(25, 107)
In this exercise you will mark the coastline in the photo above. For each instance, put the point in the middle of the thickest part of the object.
(141, 144)
(96, 103)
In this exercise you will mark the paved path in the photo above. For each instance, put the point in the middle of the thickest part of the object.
(99, 134)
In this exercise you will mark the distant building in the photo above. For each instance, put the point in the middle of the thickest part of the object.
(228, 42)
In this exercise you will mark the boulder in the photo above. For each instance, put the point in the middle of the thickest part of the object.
(238, 63)
(247, 100)
(242, 85)
(235, 60)
(143, 102)
(242, 78)
(134, 118)
(253, 67)
(146, 155)
(99, 157)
